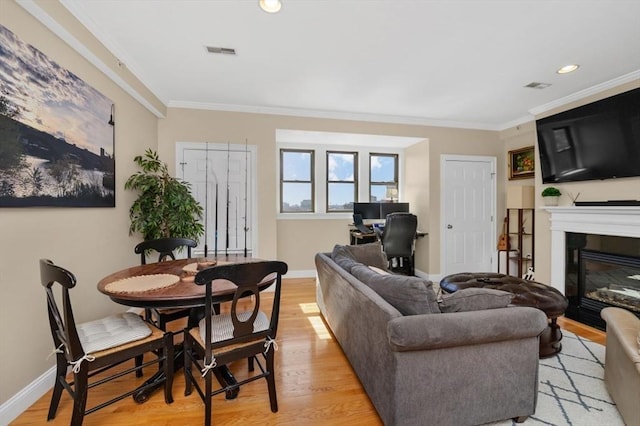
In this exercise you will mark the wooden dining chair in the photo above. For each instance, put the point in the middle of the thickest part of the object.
(221, 339)
(97, 346)
(165, 248)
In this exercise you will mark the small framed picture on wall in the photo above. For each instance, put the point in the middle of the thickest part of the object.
(521, 163)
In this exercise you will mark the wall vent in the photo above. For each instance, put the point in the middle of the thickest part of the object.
(537, 85)
(222, 50)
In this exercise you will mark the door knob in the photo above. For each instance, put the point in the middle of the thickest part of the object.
(449, 226)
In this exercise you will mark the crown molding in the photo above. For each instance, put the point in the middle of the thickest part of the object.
(37, 12)
(593, 90)
(517, 122)
(336, 115)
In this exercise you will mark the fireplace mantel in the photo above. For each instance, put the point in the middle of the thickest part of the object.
(621, 221)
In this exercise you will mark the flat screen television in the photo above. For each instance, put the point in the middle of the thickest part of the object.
(600, 140)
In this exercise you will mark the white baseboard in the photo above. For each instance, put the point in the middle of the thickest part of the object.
(19, 402)
(309, 273)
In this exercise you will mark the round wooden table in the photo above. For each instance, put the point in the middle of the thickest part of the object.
(183, 294)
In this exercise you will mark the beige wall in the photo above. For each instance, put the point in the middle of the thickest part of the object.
(92, 242)
(612, 189)
(296, 241)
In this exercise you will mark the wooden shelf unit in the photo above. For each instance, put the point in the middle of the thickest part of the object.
(521, 232)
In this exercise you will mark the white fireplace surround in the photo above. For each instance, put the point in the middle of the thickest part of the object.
(620, 221)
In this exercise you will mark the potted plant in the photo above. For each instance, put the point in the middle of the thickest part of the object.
(165, 207)
(550, 195)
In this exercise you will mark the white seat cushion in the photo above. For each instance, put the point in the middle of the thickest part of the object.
(114, 330)
(222, 326)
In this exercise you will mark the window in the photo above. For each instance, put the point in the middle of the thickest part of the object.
(342, 185)
(296, 181)
(383, 178)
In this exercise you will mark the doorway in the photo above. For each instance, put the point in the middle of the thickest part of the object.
(467, 214)
(222, 179)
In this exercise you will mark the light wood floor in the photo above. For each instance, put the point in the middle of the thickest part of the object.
(315, 383)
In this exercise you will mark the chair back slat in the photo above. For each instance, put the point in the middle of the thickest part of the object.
(63, 326)
(165, 247)
(243, 328)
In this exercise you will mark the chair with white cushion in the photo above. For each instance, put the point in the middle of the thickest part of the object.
(222, 339)
(94, 347)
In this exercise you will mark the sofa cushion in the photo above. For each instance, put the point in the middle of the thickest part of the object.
(474, 299)
(368, 254)
(343, 257)
(409, 295)
(379, 271)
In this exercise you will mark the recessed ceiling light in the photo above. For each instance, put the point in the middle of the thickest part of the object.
(568, 68)
(270, 6)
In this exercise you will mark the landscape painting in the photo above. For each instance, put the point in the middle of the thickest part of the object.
(56, 133)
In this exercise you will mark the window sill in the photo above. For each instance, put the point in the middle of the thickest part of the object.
(315, 216)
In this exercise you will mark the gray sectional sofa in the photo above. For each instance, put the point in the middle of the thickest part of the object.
(424, 361)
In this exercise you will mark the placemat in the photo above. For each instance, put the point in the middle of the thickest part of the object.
(142, 283)
(192, 268)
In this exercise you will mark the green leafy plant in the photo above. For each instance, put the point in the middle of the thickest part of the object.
(551, 192)
(165, 207)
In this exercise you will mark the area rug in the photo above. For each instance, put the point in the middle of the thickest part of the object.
(571, 391)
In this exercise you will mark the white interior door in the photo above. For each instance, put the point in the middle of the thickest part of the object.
(468, 229)
(221, 178)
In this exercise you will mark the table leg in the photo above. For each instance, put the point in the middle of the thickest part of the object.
(156, 381)
(550, 339)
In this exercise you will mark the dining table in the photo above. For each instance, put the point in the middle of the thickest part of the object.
(170, 284)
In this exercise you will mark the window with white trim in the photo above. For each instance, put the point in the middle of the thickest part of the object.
(383, 176)
(297, 181)
(342, 182)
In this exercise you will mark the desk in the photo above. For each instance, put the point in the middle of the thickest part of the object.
(356, 237)
(184, 294)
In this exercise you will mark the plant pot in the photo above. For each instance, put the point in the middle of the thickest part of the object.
(551, 200)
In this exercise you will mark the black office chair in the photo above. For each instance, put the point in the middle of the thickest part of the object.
(245, 332)
(398, 238)
(165, 247)
(95, 347)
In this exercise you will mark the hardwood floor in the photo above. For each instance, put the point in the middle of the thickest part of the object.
(315, 383)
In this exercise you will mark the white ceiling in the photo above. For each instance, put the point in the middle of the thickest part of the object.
(458, 63)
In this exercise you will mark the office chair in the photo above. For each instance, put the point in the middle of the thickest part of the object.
(398, 239)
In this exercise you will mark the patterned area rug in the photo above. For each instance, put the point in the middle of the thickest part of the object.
(571, 391)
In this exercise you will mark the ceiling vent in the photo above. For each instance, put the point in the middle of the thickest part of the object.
(222, 50)
(537, 85)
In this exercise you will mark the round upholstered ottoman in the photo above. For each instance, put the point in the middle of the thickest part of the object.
(527, 293)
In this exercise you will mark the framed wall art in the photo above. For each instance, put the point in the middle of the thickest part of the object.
(522, 163)
(56, 133)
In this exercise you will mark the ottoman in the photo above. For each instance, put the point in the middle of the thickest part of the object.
(527, 293)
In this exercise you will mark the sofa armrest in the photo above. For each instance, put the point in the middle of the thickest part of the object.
(435, 331)
(624, 327)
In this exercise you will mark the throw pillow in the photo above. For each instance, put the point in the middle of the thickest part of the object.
(475, 299)
(343, 257)
(409, 295)
(370, 254)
